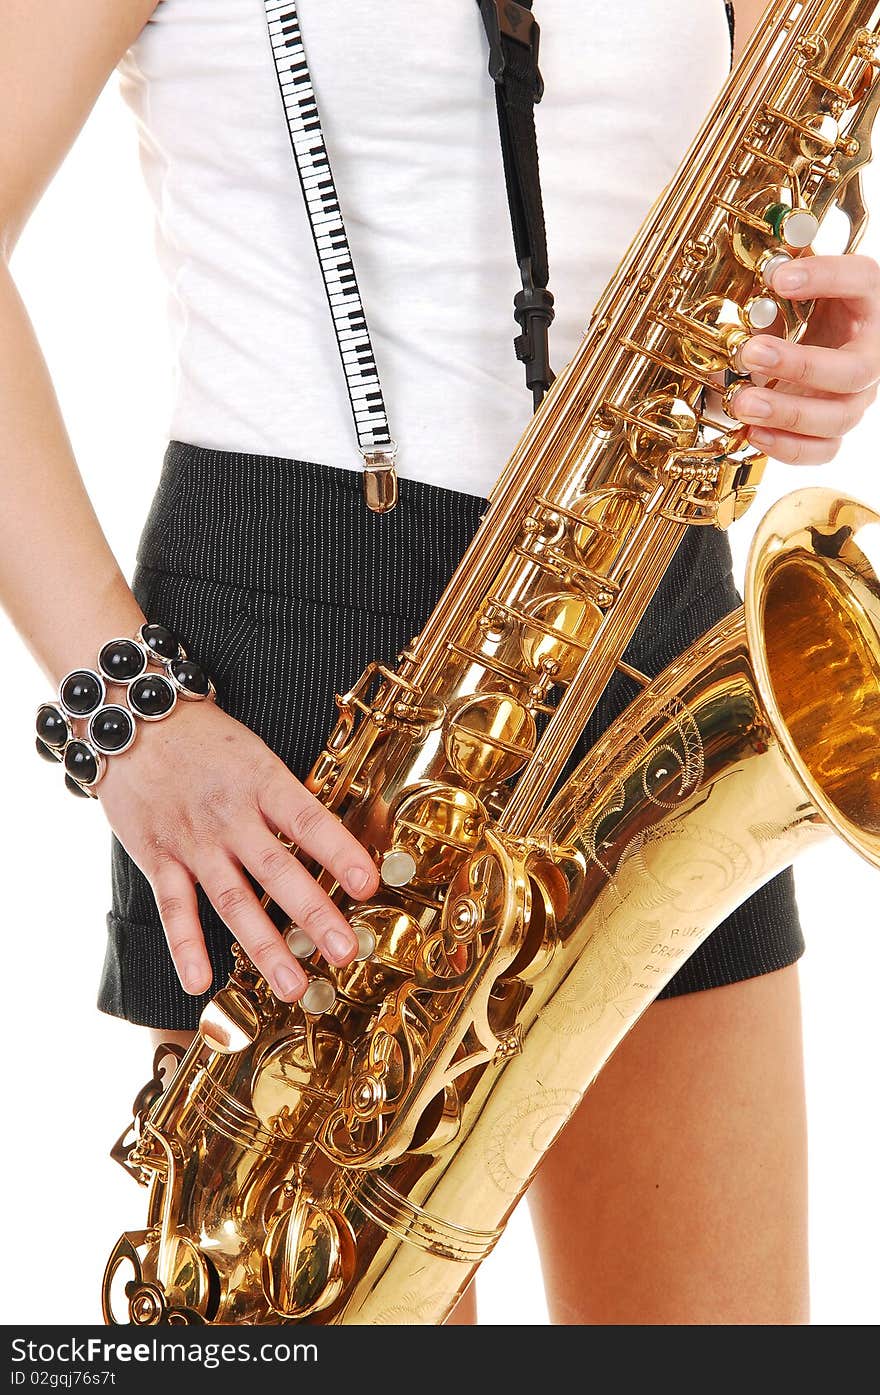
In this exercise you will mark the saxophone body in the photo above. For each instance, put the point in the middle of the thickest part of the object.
(354, 1157)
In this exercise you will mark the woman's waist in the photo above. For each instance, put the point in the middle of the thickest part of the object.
(274, 385)
(301, 528)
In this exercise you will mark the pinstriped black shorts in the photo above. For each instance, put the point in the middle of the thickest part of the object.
(278, 579)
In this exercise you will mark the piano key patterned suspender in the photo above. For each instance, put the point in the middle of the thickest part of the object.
(334, 255)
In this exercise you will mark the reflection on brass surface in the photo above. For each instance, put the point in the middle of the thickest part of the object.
(355, 1164)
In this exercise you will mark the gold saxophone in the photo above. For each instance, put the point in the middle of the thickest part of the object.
(353, 1158)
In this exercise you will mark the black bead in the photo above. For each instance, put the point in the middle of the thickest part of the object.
(80, 762)
(75, 788)
(191, 676)
(52, 725)
(161, 641)
(82, 692)
(110, 729)
(151, 696)
(121, 660)
(46, 751)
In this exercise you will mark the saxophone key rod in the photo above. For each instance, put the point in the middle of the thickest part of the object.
(655, 550)
(584, 383)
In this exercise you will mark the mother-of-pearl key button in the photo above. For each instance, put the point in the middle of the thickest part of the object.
(761, 312)
(796, 227)
(398, 867)
(298, 942)
(301, 947)
(366, 942)
(771, 264)
(319, 996)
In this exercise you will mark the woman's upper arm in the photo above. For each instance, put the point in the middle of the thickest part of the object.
(55, 56)
(746, 14)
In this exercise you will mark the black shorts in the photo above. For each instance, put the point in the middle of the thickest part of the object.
(281, 582)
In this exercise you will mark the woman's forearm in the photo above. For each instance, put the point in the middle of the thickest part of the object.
(60, 583)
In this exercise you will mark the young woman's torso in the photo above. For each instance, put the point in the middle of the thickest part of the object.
(409, 117)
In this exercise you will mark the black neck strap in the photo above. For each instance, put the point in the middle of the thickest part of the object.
(513, 35)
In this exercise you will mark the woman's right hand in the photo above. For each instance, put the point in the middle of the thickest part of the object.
(200, 796)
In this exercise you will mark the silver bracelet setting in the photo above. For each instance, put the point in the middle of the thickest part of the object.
(153, 668)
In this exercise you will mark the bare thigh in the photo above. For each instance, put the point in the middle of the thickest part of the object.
(677, 1193)
(158, 1035)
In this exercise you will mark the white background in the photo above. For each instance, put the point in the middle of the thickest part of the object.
(86, 269)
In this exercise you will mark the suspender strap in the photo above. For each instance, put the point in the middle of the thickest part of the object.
(334, 255)
(513, 35)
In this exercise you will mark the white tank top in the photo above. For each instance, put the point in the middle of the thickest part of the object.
(409, 117)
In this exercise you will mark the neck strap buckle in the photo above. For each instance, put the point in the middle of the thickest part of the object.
(516, 22)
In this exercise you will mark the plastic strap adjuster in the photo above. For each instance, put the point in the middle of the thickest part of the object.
(516, 22)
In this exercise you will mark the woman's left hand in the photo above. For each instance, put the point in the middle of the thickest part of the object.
(828, 380)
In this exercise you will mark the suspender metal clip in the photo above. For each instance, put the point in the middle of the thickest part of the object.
(380, 477)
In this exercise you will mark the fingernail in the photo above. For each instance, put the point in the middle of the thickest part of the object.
(340, 945)
(759, 355)
(357, 878)
(287, 980)
(750, 405)
(192, 978)
(789, 278)
(765, 439)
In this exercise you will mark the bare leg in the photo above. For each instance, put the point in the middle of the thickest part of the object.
(158, 1035)
(677, 1194)
(464, 1314)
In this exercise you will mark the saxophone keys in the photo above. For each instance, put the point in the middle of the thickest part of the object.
(825, 136)
(366, 941)
(660, 427)
(796, 227)
(770, 264)
(398, 867)
(308, 1258)
(319, 997)
(489, 737)
(761, 313)
(229, 1022)
(771, 221)
(435, 828)
(299, 943)
(557, 630)
(728, 399)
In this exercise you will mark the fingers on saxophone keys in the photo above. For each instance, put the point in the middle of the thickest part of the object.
(851, 277)
(233, 898)
(289, 884)
(807, 416)
(306, 822)
(795, 450)
(851, 369)
(175, 893)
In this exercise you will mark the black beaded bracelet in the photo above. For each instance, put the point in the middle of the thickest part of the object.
(111, 727)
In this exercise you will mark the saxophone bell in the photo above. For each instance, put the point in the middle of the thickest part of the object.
(812, 614)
